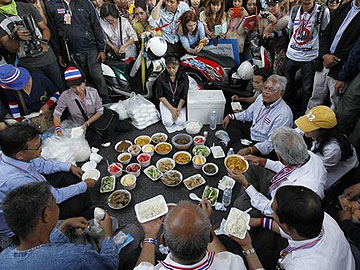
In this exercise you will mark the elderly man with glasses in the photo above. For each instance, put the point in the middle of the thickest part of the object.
(267, 113)
(20, 163)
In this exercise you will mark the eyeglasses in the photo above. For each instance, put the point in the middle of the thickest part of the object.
(270, 89)
(35, 149)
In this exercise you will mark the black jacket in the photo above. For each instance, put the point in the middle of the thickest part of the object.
(347, 40)
(83, 34)
(351, 68)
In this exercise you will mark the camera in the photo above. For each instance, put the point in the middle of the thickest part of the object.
(265, 14)
(31, 47)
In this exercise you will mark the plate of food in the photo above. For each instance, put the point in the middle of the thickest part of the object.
(172, 178)
(211, 194)
(163, 148)
(194, 181)
(201, 150)
(119, 199)
(165, 164)
(153, 173)
(107, 184)
(123, 146)
(352, 204)
(151, 209)
(159, 137)
(142, 140)
(182, 157)
(236, 163)
(237, 223)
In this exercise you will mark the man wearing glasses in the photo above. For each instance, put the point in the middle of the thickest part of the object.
(20, 163)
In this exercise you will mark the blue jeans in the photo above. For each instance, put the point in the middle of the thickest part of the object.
(299, 103)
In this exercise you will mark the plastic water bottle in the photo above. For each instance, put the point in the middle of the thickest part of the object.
(226, 198)
(230, 152)
(213, 120)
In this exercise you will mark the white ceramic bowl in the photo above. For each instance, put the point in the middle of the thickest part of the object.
(165, 159)
(137, 150)
(210, 174)
(117, 166)
(92, 174)
(126, 161)
(141, 144)
(163, 153)
(124, 179)
(169, 172)
(137, 173)
(148, 149)
(116, 145)
(145, 163)
(184, 153)
(199, 140)
(159, 134)
(116, 192)
(198, 166)
(240, 157)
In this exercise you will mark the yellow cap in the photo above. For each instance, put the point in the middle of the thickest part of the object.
(318, 117)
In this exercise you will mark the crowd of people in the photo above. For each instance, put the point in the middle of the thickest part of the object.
(301, 117)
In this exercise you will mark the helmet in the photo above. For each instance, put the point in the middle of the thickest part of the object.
(245, 71)
(156, 47)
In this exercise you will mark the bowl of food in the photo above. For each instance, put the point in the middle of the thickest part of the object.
(211, 194)
(134, 168)
(144, 159)
(182, 157)
(151, 209)
(142, 140)
(148, 149)
(163, 148)
(172, 178)
(89, 165)
(119, 199)
(123, 146)
(236, 163)
(201, 150)
(198, 161)
(107, 184)
(128, 181)
(193, 127)
(237, 223)
(124, 158)
(115, 169)
(159, 137)
(199, 140)
(92, 174)
(182, 141)
(165, 164)
(153, 173)
(210, 169)
(194, 181)
(134, 150)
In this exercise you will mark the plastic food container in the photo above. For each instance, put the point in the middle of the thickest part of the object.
(89, 165)
(237, 223)
(92, 174)
(198, 161)
(151, 209)
(134, 150)
(124, 158)
(193, 127)
(115, 169)
(128, 181)
(144, 159)
(134, 168)
(199, 140)
(148, 149)
(182, 146)
(153, 173)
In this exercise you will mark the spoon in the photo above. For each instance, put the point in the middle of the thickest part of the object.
(194, 197)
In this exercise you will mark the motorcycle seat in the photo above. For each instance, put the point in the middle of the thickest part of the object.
(224, 61)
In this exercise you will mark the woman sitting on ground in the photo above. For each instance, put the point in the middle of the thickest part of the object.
(171, 89)
(334, 148)
(86, 97)
(193, 38)
(119, 33)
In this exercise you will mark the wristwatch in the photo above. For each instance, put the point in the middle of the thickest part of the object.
(248, 252)
(44, 41)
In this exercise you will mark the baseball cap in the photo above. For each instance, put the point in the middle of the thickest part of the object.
(15, 78)
(318, 117)
(73, 76)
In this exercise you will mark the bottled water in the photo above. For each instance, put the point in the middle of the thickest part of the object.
(213, 120)
(230, 152)
(226, 198)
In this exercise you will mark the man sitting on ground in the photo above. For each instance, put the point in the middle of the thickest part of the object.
(296, 166)
(187, 233)
(268, 112)
(315, 239)
(20, 163)
(32, 213)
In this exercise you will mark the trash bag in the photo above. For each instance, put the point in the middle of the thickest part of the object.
(120, 108)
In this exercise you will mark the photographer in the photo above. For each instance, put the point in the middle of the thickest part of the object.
(31, 46)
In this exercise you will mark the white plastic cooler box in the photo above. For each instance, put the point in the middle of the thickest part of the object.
(200, 104)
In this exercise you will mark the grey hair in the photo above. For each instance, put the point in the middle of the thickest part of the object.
(279, 81)
(192, 246)
(289, 145)
(24, 206)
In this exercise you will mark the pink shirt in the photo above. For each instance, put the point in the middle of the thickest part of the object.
(91, 104)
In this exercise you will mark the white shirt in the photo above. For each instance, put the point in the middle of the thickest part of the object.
(219, 261)
(311, 175)
(304, 45)
(332, 252)
(331, 155)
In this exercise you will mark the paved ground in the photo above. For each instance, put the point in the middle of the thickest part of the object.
(146, 188)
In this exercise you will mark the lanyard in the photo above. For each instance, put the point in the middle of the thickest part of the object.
(173, 91)
(167, 24)
(203, 266)
(303, 24)
(266, 112)
(281, 176)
